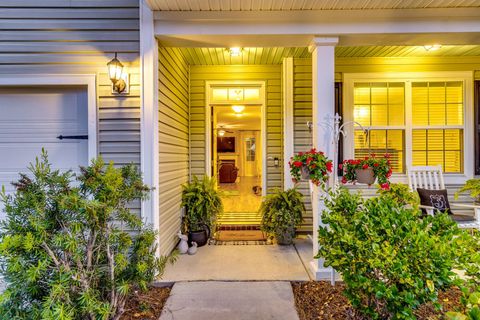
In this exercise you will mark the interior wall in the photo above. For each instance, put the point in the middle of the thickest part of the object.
(271, 74)
(173, 142)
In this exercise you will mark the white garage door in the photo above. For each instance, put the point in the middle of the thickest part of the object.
(32, 118)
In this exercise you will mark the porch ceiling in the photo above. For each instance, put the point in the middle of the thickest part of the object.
(287, 5)
(274, 55)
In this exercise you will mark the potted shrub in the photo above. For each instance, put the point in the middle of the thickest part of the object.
(312, 165)
(473, 187)
(282, 212)
(367, 170)
(202, 203)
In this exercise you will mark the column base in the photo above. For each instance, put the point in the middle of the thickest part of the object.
(322, 273)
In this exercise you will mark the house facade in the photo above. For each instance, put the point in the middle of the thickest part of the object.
(407, 71)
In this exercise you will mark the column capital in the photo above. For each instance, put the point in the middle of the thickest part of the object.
(322, 42)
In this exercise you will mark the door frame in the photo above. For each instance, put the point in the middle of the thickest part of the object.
(208, 123)
(52, 80)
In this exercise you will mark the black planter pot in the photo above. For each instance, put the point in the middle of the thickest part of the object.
(200, 236)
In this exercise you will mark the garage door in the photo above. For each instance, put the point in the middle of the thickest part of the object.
(32, 118)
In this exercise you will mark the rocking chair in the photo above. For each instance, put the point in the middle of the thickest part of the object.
(428, 182)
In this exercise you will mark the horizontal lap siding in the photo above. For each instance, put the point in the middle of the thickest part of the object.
(173, 142)
(302, 113)
(271, 74)
(80, 37)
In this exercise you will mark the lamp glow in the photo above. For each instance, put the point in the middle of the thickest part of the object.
(115, 73)
(235, 51)
(238, 109)
(221, 133)
(432, 47)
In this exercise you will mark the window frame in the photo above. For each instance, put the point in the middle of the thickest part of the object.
(466, 77)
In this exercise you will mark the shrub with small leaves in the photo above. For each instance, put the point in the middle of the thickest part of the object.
(391, 261)
(71, 247)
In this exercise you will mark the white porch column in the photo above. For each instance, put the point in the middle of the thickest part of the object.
(323, 103)
(288, 126)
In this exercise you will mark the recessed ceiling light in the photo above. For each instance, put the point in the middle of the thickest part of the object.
(238, 109)
(432, 47)
(221, 133)
(235, 51)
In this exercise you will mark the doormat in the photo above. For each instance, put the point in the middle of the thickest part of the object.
(240, 243)
(240, 235)
(230, 193)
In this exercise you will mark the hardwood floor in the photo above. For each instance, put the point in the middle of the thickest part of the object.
(239, 196)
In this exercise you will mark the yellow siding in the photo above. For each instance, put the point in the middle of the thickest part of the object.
(173, 142)
(268, 73)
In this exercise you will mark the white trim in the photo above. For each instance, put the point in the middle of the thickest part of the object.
(208, 123)
(465, 76)
(288, 131)
(88, 80)
(149, 115)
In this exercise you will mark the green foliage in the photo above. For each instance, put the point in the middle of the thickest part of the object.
(282, 211)
(473, 187)
(71, 248)
(390, 260)
(202, 203)
(381, 167)
(402, 194)
(314, 162)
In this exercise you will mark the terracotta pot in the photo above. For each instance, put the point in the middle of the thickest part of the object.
(305, 173)
(365, 176)
(199, 236)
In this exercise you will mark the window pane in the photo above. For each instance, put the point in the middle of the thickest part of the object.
(453, 161)
(361, 114)
(361, 94)
(419, 158)
(454, 92)
(454, 114)
(420, 114)
(395, 142)
(396, 115)
(436, 92)
(379, 115)
(436, 114)
(379, 93)
(420, 92)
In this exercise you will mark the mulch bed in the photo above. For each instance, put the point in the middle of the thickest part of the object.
(146, 305)
(320, 300)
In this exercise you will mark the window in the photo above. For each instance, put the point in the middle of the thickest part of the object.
(380, 106)
(250, 146)
(430, 124)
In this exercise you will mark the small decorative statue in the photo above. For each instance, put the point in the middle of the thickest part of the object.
(193, 249)
(183, 245)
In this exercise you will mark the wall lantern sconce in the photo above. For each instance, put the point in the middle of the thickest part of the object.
(117, 76)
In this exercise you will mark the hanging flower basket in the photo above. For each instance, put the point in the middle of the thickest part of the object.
(367, 170)
(365, 176)
(312, 165)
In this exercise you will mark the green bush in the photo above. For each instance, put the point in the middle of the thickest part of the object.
(402, 194)
(473, 187)
(390, 260)
(202, 203)
(282, 211)
(70, 246)
(472, 308)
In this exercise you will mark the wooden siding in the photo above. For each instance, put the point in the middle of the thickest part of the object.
(268, 73)
(173, 146)
(80, 37)
(302, 113)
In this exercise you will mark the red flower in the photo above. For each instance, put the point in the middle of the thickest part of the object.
(365, 166)
(340, 166)
(344, 180)
(298, 164)
(373, 155)
(385, 186)
(313, 166)
(310, 159)
(321, 153)
(387, 155)
(375, 164)
(366, 158)
(389, 173)
(329, 166)
(300, 153)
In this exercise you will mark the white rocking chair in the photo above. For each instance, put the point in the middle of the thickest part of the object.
(431, 177)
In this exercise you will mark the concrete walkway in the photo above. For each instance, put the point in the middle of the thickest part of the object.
(219, 300)
(242, 263)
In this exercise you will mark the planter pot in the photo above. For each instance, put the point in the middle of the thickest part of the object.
(305, 173)
(285, 236)
(365, 176)
(199, 236)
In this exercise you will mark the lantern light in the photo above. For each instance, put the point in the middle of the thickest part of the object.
(115, 72)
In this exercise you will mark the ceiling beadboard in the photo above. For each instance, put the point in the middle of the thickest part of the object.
(286, 5)
(269, 56)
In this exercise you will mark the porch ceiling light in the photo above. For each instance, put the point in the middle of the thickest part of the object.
(221, 133)
(235, 51)
(115, 72)
(432, 47)
(238, 109)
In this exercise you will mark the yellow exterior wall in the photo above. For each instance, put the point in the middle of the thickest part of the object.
(272, 75)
